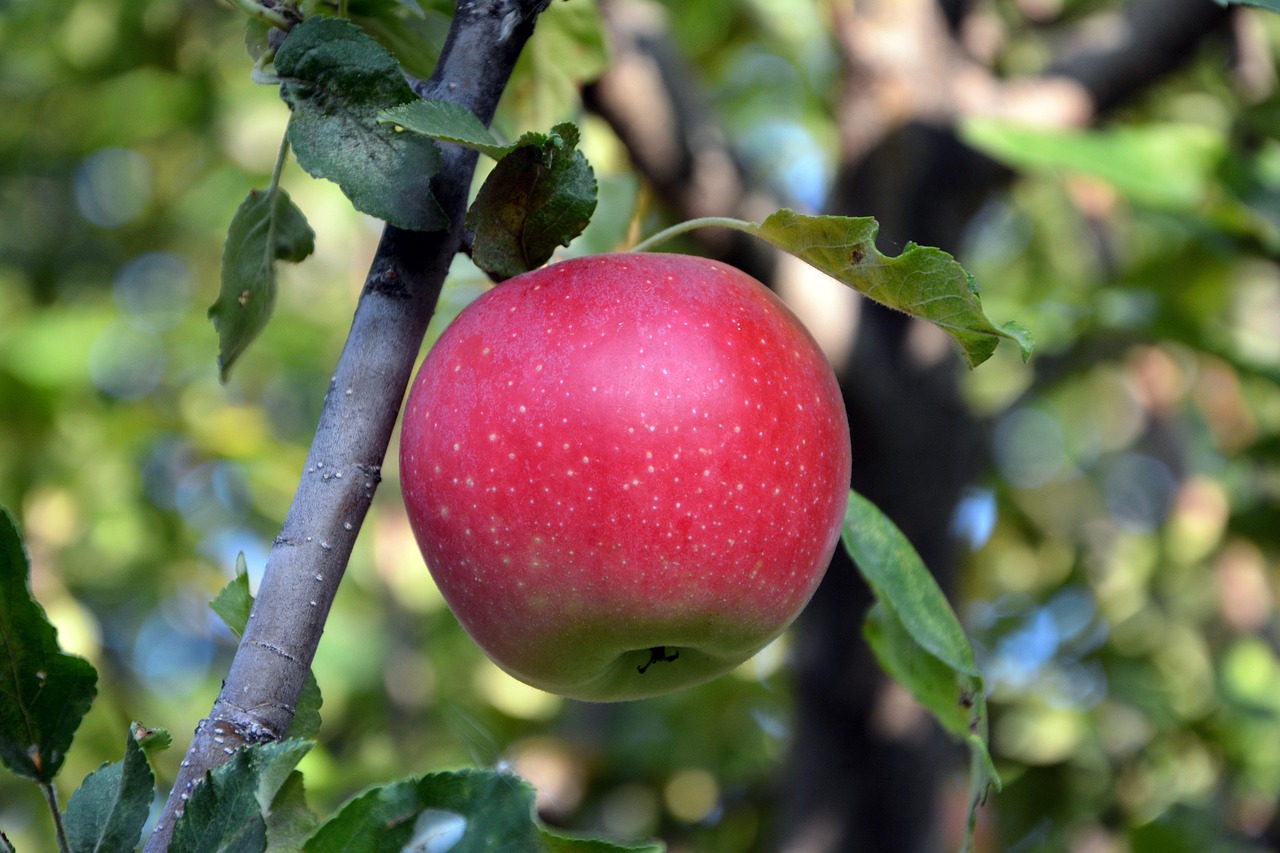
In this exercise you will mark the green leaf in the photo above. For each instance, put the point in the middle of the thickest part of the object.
(898, 578)
(108, 810)
(228, 811)
(154, 740)
(266, 228)
(222, 814)
(233, 604)
(555, 842)
(922, 281)
(415, 39)
(467, 811)
(917, 638)
(274, 764)
(44, 692)
(484, 810)
(948, 694)
(336, 79)
(1165, 166)
(983, 778)
(538, 197)
(448, 122)
(290, 821)
(306, 715)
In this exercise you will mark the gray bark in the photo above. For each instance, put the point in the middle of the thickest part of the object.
(342, 471)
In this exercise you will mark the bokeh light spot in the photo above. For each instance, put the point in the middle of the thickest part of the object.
(127, 363)
(691, 795)
(974, 518)
(1029, 447)
(154, 290)
(1138, 491)
(630, 810)
(513, 697)
(174, 648)
(113, 187)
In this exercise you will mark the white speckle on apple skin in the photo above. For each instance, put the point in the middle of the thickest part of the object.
(674, 457)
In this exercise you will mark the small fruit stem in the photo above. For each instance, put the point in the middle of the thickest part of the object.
(51, 797)
(254, 9)
(690, 225)
(657, 654)
(279, 166)
(259, 73)
(272, 189)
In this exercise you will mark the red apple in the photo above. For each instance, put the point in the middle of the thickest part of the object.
(627, 472)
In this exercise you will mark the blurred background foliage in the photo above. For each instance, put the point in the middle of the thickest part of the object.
(1122, 569)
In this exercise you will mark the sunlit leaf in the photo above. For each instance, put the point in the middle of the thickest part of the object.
(948, 694)
(336, 78)
(922, 281)
(44, 692)
(900, 580)
(109, 809)
(1170, 166)
(266, 228)
(448, 122)
(917, 638)
(234, 602)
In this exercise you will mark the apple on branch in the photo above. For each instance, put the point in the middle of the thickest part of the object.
(627, 473)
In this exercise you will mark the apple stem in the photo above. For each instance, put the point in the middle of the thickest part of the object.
(272, 189)
(691, 224)
(278, 169)
(657, 654)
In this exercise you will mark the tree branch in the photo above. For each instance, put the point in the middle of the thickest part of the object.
(310, 555)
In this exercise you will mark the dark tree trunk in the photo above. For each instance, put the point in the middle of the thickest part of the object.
(866, 765)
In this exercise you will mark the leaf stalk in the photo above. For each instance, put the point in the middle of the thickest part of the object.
(60, 829)
(688, 225)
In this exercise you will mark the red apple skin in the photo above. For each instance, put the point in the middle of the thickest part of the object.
(627, 473)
